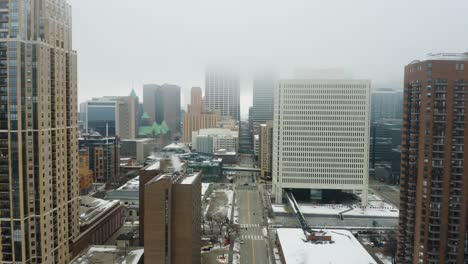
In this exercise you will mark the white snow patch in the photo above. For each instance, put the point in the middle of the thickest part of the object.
(376, 208)
(345, 249)
(383, 258)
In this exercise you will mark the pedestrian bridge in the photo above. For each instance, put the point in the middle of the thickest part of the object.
(237, 168)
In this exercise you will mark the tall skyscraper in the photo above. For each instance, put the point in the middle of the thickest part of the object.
(195, 118)
(128, 116)
(149, 100)
(386, 104)
(38, 132)
(222, 91)
(162, 103)
(434, 166)
(321, 135)
(263, 95)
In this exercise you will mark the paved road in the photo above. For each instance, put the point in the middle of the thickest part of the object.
(389, 193)
(254, 250)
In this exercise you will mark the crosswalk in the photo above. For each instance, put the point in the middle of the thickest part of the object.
(249, 225)
(252, 237)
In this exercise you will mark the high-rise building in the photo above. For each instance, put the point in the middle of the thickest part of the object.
(38, 132)
(104, 157)
(434, 183)
(162, 104)
(128, 116)
(149, 100)
(85, 173)
(196, 118)
(265, 148)
(171, 212)
(101, 116)
(222, 91)
(168, 106)
(386, 104)
(263, 94)
(113, 116)
(321, 135)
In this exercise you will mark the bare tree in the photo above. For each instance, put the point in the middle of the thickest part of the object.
(209, 220)
(391, 246)
(203, 222)
(232, 230)
(220, 221)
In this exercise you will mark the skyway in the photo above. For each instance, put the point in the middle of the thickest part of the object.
(237, 168)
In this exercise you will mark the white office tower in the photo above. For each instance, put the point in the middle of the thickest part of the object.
(321, 135)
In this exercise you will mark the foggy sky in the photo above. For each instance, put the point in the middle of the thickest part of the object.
(124, 44)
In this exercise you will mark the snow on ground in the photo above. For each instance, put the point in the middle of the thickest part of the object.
(230, 204)
(383, 258)
(204, 188)
(377, 208)
(295, 250)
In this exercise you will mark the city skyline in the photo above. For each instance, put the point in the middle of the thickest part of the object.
(260, 37)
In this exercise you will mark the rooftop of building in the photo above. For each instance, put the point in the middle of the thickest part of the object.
(110, 254)
(176, 147)
(224, 152)
(444, 57)
(132, 184)
(137, 140)
(344, 248)
(93, 208)
(217, 131)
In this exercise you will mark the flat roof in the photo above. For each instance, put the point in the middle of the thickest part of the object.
(110, 254)
(154, 166)
(345, 248)
(189, 179)
(133, 184)
(92, 208)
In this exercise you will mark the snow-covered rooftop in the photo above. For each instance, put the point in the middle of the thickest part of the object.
(155, 166)
(189, 179)
(132, 184)
(377, 207)
(346, 249)
(109, 254)
(91, 208)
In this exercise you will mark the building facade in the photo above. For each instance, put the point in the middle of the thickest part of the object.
(196, 118)
(386, 104)
(149, 101)
(85, 173)
(104, 157)
(218, 138)
(38, 132)
(128, 116)
(265, 149)
(162, 104)
(263, 97)
(321, 135)
(222, 91)
(113, 116)
(434, 183)
(172, 218)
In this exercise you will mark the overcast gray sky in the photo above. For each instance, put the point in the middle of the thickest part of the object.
(122, 44)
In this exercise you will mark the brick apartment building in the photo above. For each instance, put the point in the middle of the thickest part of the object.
(170, 219)
(434, 166)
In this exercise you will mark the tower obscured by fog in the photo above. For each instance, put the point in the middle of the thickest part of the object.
(263, 95)
(222, 91)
